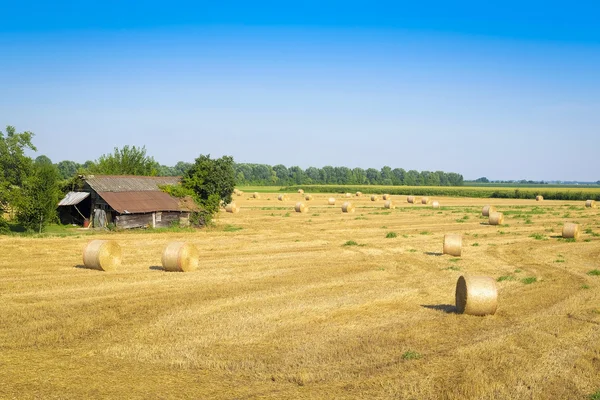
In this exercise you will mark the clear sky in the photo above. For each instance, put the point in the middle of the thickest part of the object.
(508, 91)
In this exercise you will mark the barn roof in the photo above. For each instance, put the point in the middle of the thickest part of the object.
(73, 198)
(141, 202)
(129, 183)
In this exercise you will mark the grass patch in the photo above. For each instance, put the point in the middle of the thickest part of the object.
(594, 396)
(584, 287)
(411, 355)
(287, 214)
(518, 270)
(391, 235)
(405, 236)
(538, 236)
(384, 227)
(350, 243)
(454, 260)
(528, 222)
(568, 240)
(412, 250)
(425, 233)
(559, 260)
(232, 228)
(529, 280)
(451, 268)
(360, 217)
(506, 278)
(475, 244)
(316, 215)
(594, 272)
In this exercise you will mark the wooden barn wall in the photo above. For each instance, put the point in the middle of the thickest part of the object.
(162, 219)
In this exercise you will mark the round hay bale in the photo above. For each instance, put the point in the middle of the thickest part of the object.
(410, 199)
(308, 197)
(301, 207)
(239, 193)
(300, 191)
(235, 191)
(435, 204)
(453, 244)
(331, 201)
(496, 218)
(487, 210)
(348, 195)
(232, 208)
(374, 197)
(282, 197)
(103, 255)
(358, 194)
(476, 295)
(590, 204)
(539, 198)
(389, 204)
(425, 200)
(387, 197)
(180, 257)
(348, 207)
(570, 230)
(256, 195)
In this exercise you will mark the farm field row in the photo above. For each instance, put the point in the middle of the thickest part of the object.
(321, 304)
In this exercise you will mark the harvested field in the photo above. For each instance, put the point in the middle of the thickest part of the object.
(311, 305)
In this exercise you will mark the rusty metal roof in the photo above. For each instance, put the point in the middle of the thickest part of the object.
(129, 183)
(143, 201)
(73, 198)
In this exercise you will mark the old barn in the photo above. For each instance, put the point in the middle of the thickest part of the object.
(126, 202)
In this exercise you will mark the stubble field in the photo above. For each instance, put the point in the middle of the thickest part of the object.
(284, 305)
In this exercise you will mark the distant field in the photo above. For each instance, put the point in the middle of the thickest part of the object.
(321, 305)
(552, 193)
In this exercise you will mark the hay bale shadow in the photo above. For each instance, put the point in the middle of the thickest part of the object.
(447, 308)
(433, 253)
(81, 266)
(156, 268)
(556, 236)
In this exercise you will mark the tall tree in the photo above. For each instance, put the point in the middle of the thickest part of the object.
(36, 206)
(126, 161)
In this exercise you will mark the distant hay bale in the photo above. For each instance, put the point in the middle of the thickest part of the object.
(453, 244)
(374, 197)
(331, 201)
(232, 208)
(590, 204)
(308, 197)
(301, 207)
(103, 255)
(539, 198)
(476, 295)
(410, 199)
(435, 204)
(425, 200)
(570, 231)
(348, 207)
(387, 197)
(239, 193)
(180, 257)
(358, 194)
(256, 195)
(389, 204)
(300, 191)
(282, 197)
(348, 195)
(487, 210)
(496, 218)
(235, 191)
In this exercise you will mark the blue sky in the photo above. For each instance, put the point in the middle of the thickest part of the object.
(510, 91)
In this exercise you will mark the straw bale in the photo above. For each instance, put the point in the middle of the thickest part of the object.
(348, 207)
(590, 204)
(487, 210)
(232, 208)
(410, 199)
(282, 197)
(256, 195)
(308, 197)
(453, 244)
(374, 197)
(435, 204)
(358, 194)
(539, 198)
(300, 191)
(301, 207)
(570, 230)
(476, 295)
(239, 193)
(331, 201)
(348, 195)
(180, 257)
(103, 255)
(496, 218)
(387, 197)
(389, 204)
(425, 200)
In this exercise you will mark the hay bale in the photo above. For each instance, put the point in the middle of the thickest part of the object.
(435, 204)
(256, 195)
(590, 204)
(410, 199)
(300, 191)
(348, 207)
(282, 197)
(570, 230)
(476, 295)
(374, 197)
(496, 218)
(235, 191)
(539, 198)
(425, 200)
(308, 197)
(103, 255)
(348, 195)
(301, 207)
(358, 194)
(180, 257)
(487, 210)
(387, 197)
(232, 208)
(239, 193)
(389, 204)
(453, 244)
(331, 201)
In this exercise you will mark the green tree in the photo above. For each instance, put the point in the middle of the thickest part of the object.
(211, 181)
(126, 161)
(67, 169)
(36, 205)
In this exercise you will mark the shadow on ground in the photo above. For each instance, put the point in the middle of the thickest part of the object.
(447, 308)
(156, 268)
(433, 253)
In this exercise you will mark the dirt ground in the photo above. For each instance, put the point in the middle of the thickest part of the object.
(281, 308)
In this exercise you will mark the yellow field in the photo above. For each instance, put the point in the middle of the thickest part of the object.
(282, 309)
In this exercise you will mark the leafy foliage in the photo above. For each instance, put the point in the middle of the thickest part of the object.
(36, 204)
(126, 161)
